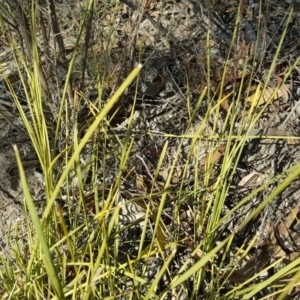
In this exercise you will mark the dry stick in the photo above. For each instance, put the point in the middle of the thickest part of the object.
(44, 34)
(27, 37)
(60, 42)
(130, 45)
(87, 44)
(9, 103)
(13, 7)
(273, 132)
(25, 34)
(49, 69)
(3, 10)
(56, 30)
(291, 112)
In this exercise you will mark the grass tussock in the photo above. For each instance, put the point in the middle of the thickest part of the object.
(155, 192)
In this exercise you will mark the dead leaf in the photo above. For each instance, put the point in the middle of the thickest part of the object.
(225, 104)
(213, 157)
(284, 89)
(176, 176)
(161, 230)
(140, 183)
(271, 249)
(263, 96)
(283, 238)
(252, 178)
(255, 264)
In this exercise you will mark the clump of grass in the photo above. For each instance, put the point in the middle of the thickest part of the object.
(78, 254)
